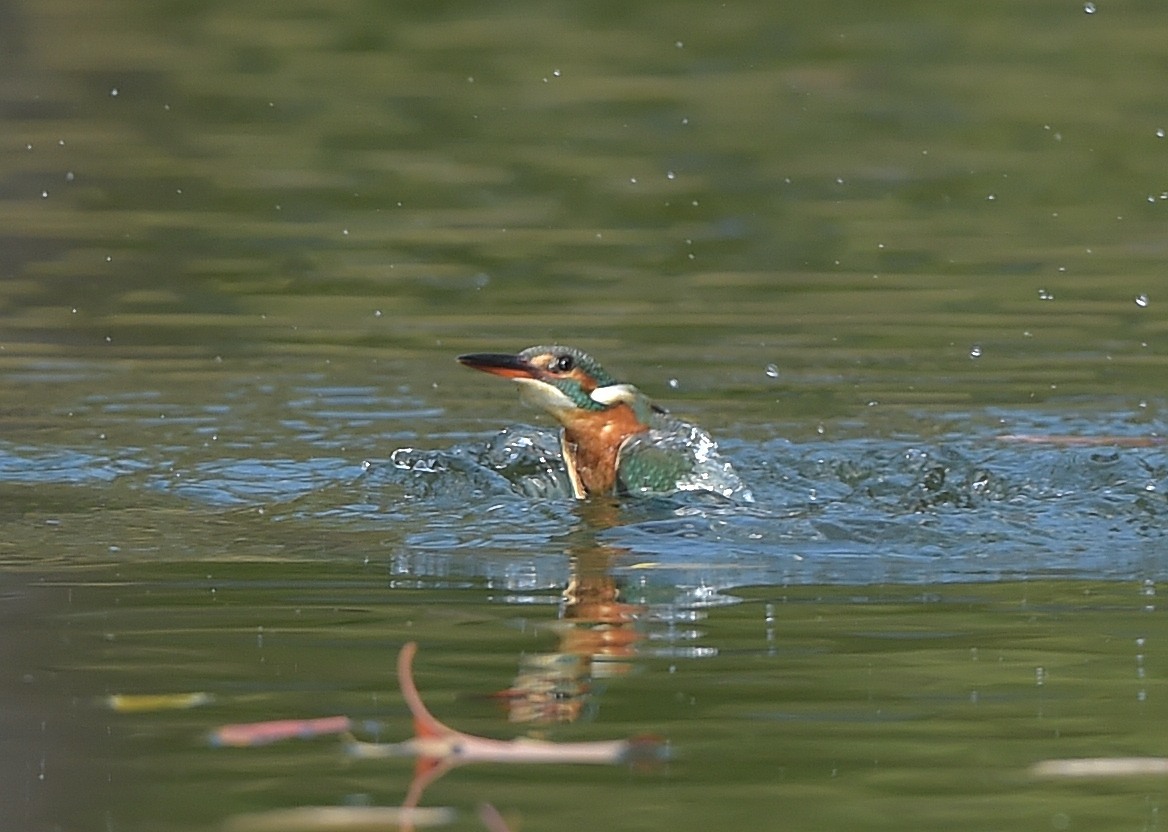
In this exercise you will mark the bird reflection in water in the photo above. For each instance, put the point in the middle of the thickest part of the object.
(597, 631)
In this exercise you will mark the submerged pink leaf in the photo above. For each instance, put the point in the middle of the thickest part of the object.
(247, 734)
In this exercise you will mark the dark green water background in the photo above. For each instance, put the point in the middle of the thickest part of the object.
(241, 243)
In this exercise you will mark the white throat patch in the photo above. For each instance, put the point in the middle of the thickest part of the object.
(614, 394)
(545, 396)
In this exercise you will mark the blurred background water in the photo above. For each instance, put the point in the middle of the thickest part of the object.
(903, 261)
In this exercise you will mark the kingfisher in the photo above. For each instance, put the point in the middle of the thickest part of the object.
(613, 439)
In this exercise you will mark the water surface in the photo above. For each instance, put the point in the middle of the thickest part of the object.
(904, 263)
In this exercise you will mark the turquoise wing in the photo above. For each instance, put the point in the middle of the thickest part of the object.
(677, 457)
(648, 468)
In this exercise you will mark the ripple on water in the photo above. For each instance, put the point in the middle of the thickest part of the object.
(64, 466)
(965, 505)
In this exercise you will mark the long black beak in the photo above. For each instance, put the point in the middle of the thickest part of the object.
(498, 364)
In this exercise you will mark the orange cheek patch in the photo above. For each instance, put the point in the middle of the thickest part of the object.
(585, 381)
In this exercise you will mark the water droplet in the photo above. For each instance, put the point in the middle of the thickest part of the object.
(1089, 7)
(69, 177)
(1141, 300)
(114, 92)
(44, 194)
(376, 313)
(679, 44)
(673, 383)
(975, 351)
(1045, 294)
(991, 197)
(772, 371)
(1159, 132)
(670, 174)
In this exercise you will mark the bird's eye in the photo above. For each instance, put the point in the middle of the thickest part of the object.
(562, 364)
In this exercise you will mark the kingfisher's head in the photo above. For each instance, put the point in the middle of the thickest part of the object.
(563, 381)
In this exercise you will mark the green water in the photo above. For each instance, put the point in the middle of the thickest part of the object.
(241, 244)
(812, 708)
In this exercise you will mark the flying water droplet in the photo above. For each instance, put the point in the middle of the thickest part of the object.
(1142, 300)
(1089, 7)
(772, 371)
(975, 351)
